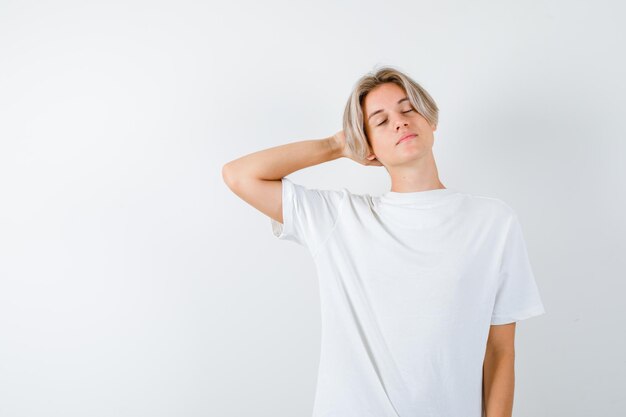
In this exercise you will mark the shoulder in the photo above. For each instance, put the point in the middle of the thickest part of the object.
(313, 193)
(490, 205)
(357, 200)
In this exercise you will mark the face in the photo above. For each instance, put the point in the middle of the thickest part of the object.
(389, 115)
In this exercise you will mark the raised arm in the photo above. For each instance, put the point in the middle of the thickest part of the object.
(256, 177)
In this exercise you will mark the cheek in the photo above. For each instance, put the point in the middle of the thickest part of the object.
(383, 145)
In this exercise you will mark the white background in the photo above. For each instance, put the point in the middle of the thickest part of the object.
(133, 282)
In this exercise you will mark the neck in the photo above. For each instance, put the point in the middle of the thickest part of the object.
(420, 175)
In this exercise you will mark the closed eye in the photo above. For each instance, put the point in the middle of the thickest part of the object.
(385, 121)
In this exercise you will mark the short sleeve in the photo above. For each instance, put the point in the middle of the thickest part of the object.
(517, 296)
(309, 215)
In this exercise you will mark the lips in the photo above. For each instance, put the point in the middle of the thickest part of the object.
(407, 136)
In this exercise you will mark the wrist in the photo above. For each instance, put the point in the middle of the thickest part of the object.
(335, 147)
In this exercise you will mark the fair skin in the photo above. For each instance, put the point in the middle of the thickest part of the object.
(499, 371)
(256, 178)
(388, 116)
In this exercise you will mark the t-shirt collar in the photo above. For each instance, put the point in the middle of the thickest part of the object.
(417, 196)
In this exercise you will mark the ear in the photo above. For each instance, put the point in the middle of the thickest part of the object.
(371, 148)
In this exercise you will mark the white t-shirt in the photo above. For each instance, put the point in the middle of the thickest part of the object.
(409, 285)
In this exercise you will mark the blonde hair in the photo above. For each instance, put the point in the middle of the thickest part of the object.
(353, 123)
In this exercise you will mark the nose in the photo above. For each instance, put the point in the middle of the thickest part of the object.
(401, 123)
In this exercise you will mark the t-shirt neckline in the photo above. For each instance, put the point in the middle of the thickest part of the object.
(395, 197)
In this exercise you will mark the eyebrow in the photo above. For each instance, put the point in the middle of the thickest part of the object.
(378, 111)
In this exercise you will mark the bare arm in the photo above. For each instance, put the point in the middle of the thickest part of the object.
(280, 161)
(499, 371)
(256, 177)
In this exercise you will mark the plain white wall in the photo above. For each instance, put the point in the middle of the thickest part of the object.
(133, 282)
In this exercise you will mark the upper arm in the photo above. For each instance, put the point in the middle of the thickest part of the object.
(304, 215)
(264, 195)
(517, 295)
(501, 338)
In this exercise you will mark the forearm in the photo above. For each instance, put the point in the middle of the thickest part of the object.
(279, 161)
(499, 384)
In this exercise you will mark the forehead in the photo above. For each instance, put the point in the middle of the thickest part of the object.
(382, 96)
